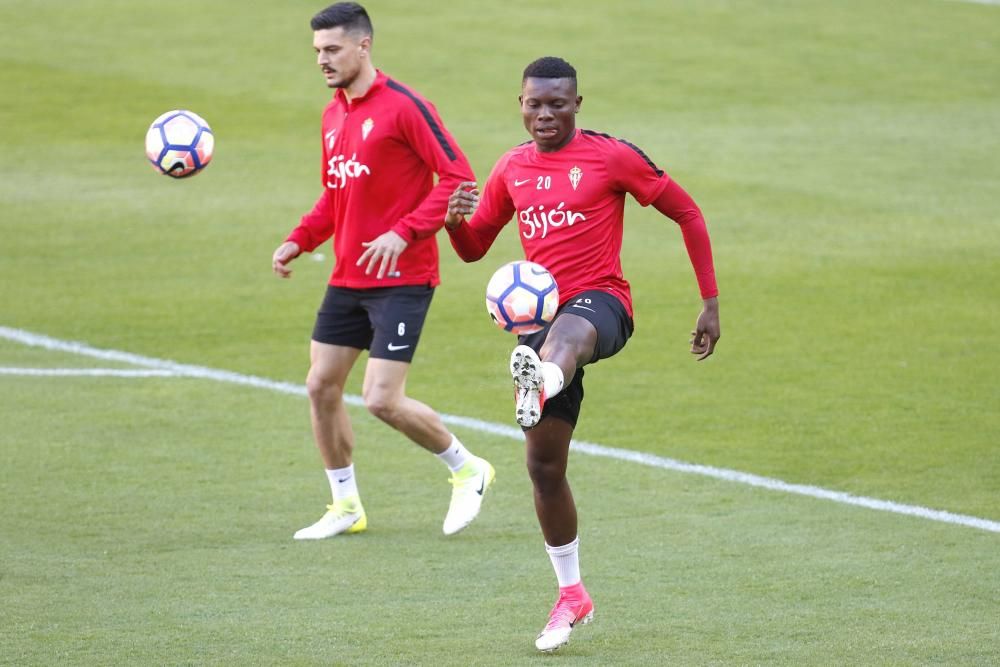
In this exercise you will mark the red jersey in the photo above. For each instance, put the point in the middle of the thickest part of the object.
(380, 154)
(570, 208)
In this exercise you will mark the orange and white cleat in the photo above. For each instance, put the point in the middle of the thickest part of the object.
(574, 607)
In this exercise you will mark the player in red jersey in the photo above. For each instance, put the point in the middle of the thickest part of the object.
(382, 146)
(566, 189)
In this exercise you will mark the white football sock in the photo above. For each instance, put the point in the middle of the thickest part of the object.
(566, 562)
(455, 456)
(342, 482)
(552, 377)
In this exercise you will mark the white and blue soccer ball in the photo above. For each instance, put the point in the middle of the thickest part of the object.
(522, 297)
(179, 143)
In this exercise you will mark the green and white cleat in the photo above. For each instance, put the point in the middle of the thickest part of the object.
(343, 516)
(469, 486)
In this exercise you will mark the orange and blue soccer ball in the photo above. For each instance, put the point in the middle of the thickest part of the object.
(179, 143)
(522, 297)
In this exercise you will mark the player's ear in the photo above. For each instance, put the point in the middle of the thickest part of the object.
(579, 101)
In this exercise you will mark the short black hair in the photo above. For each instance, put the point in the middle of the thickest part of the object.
(549, 67)
(350, 16)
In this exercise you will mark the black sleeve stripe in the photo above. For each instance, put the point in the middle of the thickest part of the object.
(435, 128)
(659, 172)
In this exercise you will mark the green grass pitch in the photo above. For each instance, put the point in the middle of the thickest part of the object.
(845, 156)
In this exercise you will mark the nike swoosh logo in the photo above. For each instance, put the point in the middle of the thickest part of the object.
(393, 348)
(482, 485)
(584, 307)
(518, 184)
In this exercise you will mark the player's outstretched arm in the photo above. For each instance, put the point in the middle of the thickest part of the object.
(707, 330)
(676, 204)
(284, 254)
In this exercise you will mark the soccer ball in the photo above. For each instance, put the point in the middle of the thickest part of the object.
(179, 143)
(522, 297)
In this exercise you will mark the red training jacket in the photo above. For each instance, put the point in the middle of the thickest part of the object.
(380, 154)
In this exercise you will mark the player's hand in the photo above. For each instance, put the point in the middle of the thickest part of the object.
(463, 202)
(384, 250)
(707, 330)
(285, 253)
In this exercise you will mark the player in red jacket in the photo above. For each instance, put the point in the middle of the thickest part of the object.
(566, 190)
(382, 146)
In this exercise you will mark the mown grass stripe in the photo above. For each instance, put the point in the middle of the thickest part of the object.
(592, 449)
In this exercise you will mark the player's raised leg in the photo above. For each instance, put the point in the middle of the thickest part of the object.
(385, 397)
(328, 371)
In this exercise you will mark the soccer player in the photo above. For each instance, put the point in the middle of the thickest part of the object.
(382, 146)
(566, 188)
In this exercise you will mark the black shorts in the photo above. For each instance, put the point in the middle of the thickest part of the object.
(387, 321)
(614, 328)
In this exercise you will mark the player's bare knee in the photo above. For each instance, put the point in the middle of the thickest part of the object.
(546, 476)
(382, 406)
(322, 389)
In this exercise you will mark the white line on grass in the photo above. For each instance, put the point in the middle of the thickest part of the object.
(593, 449)
(87, 372)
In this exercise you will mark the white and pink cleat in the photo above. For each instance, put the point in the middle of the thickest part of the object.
(574, 607)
